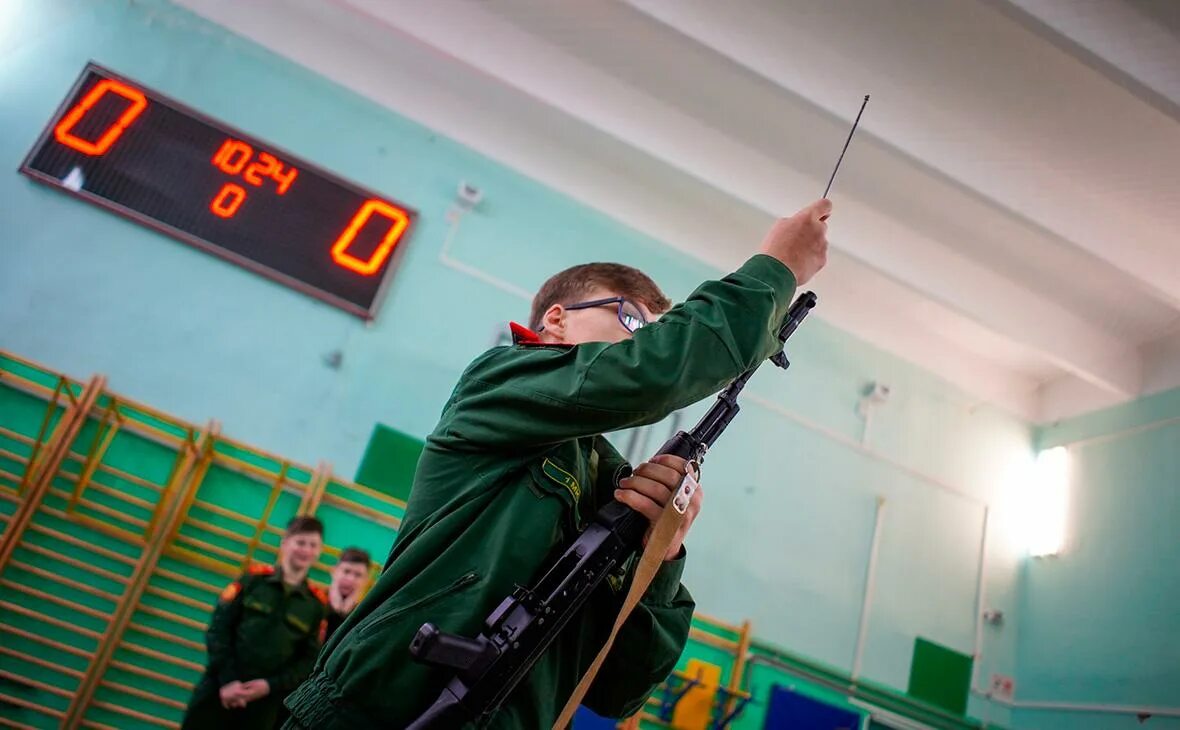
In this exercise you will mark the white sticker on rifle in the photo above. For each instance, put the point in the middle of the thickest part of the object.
(688, 485)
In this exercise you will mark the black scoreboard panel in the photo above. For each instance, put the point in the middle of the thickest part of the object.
(119, 145)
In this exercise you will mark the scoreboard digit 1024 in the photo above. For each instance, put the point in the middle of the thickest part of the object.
(119, 145)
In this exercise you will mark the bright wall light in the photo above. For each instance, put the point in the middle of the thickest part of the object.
(1046, 502)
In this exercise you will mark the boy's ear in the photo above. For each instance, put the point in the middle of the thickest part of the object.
(553, 320)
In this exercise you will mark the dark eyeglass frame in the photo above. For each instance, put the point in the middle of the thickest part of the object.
(620, 301)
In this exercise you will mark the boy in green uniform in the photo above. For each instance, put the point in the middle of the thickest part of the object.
(517, 466)
(263, 637)
(349, 578)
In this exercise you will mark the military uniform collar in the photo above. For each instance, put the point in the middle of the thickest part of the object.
(524, 336)
(276, 574)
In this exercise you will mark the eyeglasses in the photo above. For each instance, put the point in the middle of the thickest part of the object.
(629, 315)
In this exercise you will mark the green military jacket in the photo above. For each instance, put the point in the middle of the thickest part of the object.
(262, 629)
(514, 469)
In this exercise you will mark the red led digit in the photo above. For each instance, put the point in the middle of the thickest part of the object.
(398, 220)
(226, 146)
(266, 166)
(62, 131)
(225, 159)
(285, 179)
(224, 207)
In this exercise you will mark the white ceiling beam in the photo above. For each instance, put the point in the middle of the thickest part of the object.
(945, 59)
(1067, 396)
(1134, 46)
(486, 42)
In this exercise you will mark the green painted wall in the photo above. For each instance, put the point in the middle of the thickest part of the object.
(1100, 623)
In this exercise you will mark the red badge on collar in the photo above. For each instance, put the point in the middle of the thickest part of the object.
(524, 336)
(231, 592)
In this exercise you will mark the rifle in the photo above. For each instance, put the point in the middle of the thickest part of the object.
(488, 667)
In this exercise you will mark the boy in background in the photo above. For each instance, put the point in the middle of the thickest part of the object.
(349, 578)
(263, 637)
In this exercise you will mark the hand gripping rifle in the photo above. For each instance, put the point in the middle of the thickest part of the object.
(488, 667)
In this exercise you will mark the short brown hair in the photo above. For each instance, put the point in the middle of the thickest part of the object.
(575, 282)
(303, 524)
(354, 555)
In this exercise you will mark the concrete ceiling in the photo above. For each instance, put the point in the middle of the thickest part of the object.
(1008, 216)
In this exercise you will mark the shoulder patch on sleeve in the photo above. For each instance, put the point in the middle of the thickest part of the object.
(562, 477)
(231, 592)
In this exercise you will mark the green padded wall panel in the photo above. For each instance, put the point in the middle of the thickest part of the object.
(940, 676)
(389, 462)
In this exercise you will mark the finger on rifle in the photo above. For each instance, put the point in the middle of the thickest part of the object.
(640, 503)
(657, 492)
(667, 475)
(677, 463)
